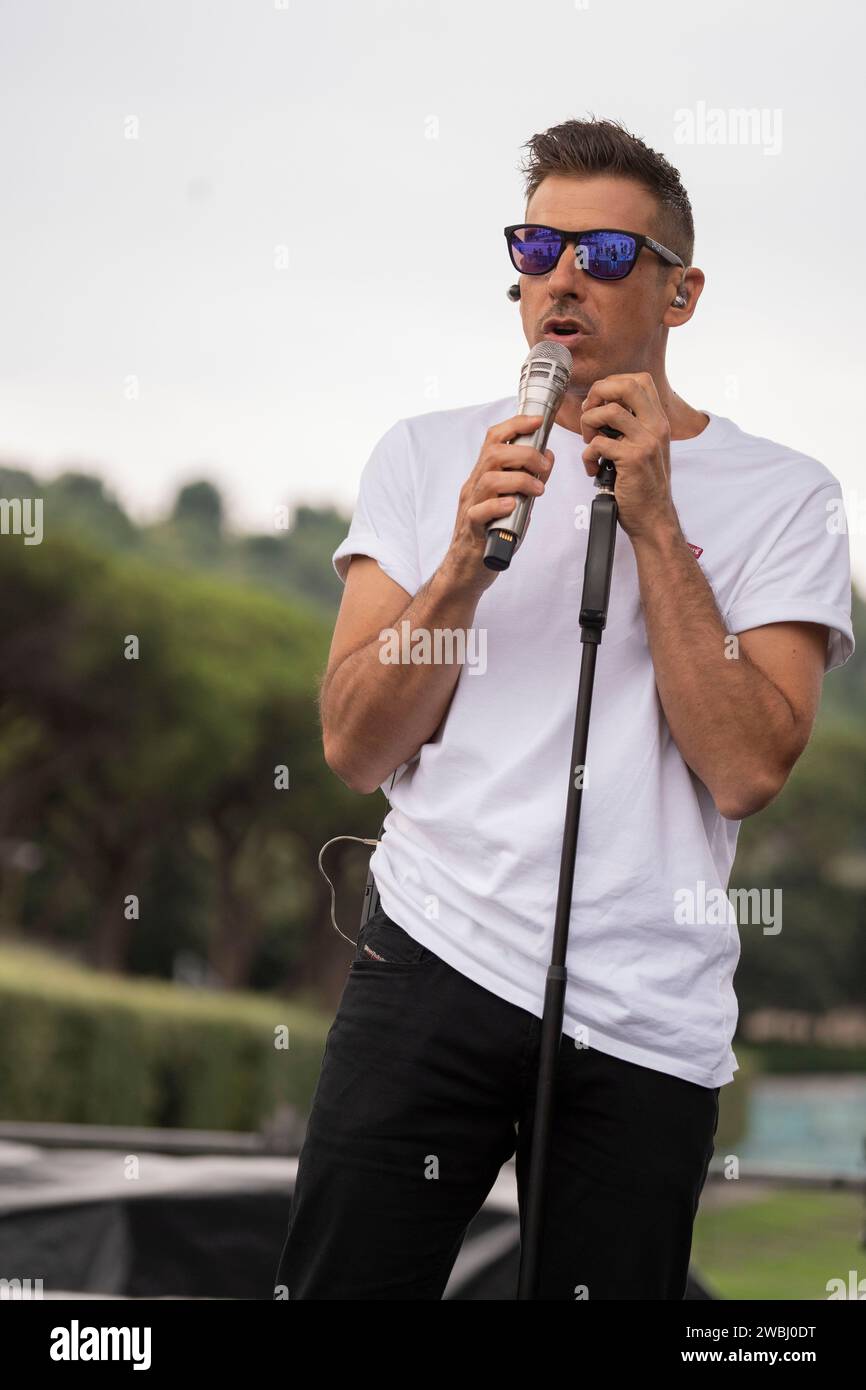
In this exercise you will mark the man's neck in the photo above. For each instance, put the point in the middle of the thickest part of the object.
(685, 421)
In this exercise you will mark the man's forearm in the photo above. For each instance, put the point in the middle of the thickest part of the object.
(731, 724)
(377, 713)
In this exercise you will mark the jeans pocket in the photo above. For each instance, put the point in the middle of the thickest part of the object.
(382, 942)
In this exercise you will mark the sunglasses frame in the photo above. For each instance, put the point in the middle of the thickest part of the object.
(638, 238)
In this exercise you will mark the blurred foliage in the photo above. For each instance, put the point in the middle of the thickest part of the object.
(159, 776)
(156, 776)
(810, 844)
(95, 1049)
(293, 559)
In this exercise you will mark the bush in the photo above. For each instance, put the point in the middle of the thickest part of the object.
(82, 1047)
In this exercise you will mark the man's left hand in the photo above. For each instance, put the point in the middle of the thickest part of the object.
(629, 402)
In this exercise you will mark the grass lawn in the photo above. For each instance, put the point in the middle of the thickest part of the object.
(786, 1245)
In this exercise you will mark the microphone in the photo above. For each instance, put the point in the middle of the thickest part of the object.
(543, 378)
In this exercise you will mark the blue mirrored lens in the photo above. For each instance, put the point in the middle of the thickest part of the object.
(535, 249)
(607, 255)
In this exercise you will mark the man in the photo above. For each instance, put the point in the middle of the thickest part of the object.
(730, 598)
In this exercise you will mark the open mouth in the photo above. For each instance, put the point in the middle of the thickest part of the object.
(562, 328)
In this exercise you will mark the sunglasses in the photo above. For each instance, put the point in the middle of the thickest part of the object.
(605, 254)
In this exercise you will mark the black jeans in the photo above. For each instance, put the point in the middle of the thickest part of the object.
(427, 1087)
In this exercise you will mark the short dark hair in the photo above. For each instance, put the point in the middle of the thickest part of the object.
(606, 147)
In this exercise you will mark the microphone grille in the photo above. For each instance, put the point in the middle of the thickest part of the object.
(546, 368)
(548, 351)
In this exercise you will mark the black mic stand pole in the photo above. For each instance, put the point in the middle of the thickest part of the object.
(593, 616)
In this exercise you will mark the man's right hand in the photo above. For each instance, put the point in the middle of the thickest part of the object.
(502, 471)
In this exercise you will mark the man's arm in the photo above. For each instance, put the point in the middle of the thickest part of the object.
(740, 723)
(740, 710)
(376, 714)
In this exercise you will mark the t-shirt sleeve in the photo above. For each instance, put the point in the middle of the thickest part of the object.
(384, 521)
(803, 573)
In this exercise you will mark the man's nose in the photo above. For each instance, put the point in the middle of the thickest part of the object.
(568, 276)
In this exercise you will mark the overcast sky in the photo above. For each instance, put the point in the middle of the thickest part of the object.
(222, 218)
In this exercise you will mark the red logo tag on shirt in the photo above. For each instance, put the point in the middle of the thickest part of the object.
(697, 550)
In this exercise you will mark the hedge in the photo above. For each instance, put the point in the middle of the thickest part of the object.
(85, 1047)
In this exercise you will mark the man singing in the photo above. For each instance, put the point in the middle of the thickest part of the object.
(730, 598)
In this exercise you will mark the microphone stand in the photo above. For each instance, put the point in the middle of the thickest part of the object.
(593, 616)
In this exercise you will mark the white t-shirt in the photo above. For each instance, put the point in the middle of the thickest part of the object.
(469, 863)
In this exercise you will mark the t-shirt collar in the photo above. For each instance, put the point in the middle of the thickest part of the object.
(710, 437)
